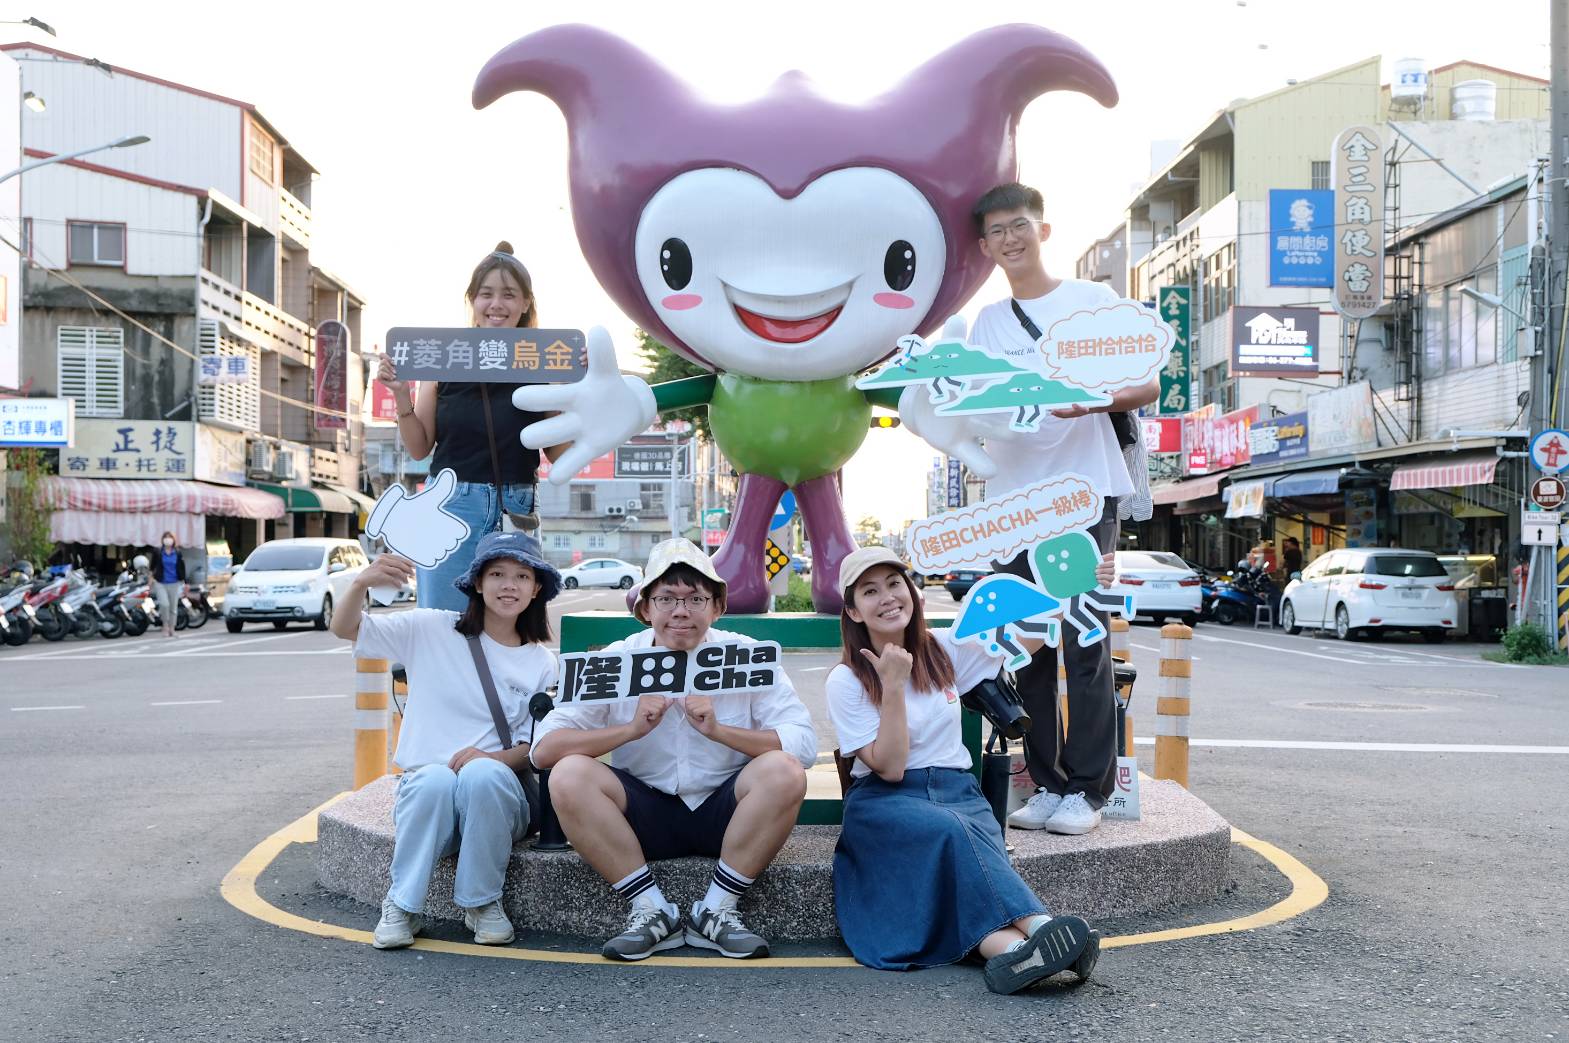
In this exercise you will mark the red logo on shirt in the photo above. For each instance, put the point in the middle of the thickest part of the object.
(951, 695)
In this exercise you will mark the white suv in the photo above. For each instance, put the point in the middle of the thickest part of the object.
(285, 581)
(1353, 592)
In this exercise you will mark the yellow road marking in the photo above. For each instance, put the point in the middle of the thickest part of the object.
(239, 890)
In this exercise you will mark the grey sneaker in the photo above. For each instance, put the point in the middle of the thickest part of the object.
(1061, 943)
(489, 924)
(648, 931)
(723, 931)
(397, 927)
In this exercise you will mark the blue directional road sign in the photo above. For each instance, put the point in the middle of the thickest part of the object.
(783, 513)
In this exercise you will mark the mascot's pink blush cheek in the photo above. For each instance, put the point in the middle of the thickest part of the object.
(683, 301)
(894, 300)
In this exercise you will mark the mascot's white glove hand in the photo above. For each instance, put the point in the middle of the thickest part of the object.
(957, 436)
(597, 413)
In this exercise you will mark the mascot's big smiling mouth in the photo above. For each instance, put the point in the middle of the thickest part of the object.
(788, 320)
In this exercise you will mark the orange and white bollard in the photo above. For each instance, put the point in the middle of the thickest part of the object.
(1173, 704)
(1121, 640)
(1062, 683)
(370, 720)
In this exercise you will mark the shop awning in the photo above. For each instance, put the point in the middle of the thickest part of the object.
(158, 496)
(1471, 469)
(1306, 483)
(296, 499)
(365, 503)
(334, 502)
(1192, 489)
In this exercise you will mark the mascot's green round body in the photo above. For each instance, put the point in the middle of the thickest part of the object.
(788, 430)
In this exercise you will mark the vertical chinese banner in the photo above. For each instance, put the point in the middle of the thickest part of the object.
(332, 375)
(1175, 304)
(1358, 176)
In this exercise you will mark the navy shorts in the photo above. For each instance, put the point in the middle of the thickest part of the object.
(667, 828)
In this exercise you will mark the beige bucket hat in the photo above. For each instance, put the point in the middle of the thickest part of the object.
(666, 554)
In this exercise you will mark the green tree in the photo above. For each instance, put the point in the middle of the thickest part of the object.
(664, 365)
(27, 515)
(869, 531)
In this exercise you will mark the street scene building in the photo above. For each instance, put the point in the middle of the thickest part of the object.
(170, 292)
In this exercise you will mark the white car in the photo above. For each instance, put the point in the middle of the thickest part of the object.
(286, 581)
(602, 572)
(1353, 592)
(1161, 584)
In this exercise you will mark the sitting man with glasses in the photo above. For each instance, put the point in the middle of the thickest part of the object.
(718, 776)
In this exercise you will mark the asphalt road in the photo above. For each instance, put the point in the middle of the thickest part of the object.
(1421, 783)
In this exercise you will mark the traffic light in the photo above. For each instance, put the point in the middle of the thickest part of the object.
(885, 421)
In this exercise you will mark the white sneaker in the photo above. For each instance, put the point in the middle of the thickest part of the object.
(1074, 816)
(397, 927)
(1036, 811)
(489, 924)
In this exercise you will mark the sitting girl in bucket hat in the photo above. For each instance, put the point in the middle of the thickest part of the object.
(466, 728)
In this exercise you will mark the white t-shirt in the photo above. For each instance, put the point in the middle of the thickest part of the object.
(932, 717)
(1086, 445)
(447, 710)
(675, 757)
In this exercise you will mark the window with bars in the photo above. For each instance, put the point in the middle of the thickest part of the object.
(583, 499)
(1320, 175)
(597, 541)
(91, 361)
(561, 541)
(95, 243)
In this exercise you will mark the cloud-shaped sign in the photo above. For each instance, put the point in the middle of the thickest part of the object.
(997, 529)
(1122, 345)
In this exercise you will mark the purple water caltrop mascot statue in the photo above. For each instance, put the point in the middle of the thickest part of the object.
(785, 243)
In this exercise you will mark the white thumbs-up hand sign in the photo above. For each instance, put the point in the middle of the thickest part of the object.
(418, 527)
(595, 414)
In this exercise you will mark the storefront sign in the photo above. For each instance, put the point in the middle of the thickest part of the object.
(955, 490)
(332, 375)
(1279, 439)
(1301, 222)
(1361, 518)
(225, 369)
(1162, 434)
(599, 469)
(37, 422)
(220, 455)
(1219, 443)
(1176, 380)
(1274, 342)
(1547, 492)
(131, 449)
(497, 356)
(383, 406)
(1358, 177)
(652, 461)
(1246, 500)
(1341, 420)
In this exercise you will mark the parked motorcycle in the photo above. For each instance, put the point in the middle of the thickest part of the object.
(1237, 599)
(17, 615)
(110, 602)
(196, 603)
(55, 616)
(141, 613)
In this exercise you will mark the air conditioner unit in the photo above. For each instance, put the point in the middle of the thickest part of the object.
(261, 458)
(634, 505)
(614, 510)
(283, 466)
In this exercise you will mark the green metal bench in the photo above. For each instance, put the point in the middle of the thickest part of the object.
(795, 632)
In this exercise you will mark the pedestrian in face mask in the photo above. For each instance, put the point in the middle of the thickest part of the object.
(167, 575)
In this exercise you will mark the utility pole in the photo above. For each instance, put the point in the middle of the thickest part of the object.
(1549, 406)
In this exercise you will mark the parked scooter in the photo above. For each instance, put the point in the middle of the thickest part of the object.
(18, 616)
(197, 605)
(1238, 599)
(55, 616)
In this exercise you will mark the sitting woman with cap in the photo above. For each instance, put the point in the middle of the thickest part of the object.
(921, 877)
(466, 728)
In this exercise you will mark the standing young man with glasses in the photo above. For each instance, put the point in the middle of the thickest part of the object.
(1076, 774)
(719, 776)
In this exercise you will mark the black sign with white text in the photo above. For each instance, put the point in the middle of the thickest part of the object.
(488, 355)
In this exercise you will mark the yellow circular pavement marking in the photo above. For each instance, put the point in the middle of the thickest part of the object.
(239, 890)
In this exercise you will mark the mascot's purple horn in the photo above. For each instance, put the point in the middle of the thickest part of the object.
(948, 128)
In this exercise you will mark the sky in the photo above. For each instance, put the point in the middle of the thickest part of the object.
(416, 186)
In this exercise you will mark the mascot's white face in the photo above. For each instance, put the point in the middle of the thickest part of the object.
(790, 289)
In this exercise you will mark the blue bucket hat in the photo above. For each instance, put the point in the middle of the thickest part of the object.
(520, 547)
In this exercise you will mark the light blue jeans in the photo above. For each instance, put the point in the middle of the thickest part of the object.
(479, 812)
(475, 503)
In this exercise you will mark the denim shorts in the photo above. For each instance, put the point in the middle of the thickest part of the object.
(477, 504)
(667, 828)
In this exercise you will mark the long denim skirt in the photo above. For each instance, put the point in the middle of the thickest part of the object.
(920, 872)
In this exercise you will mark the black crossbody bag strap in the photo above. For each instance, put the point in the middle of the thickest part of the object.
(1121, 420)
(488, 683)
(490, 436)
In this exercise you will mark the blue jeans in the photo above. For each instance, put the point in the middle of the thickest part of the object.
(475, 503)
(479, 812)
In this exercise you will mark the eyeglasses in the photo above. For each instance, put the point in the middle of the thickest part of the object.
(665, 602)
(1020, 227)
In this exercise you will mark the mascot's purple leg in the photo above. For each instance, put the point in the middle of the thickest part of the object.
(740, 562)
(823, 512)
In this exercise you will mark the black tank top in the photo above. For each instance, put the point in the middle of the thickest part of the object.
(462, 445)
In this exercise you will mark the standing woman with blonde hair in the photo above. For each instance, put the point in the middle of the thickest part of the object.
(473, 428)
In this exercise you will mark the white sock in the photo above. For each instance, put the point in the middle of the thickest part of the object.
(639, 887)
(726, 887)
(1033, 924)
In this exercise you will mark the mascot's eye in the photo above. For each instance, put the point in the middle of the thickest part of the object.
(899, 265)
(675, 264)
